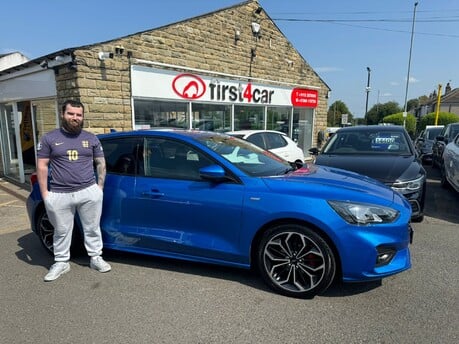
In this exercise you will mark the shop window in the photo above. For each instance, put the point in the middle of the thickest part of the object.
(158, 113)
(278, 118)
(211, 117)
(249, 117)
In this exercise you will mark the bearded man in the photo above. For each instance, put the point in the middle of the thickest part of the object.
(71, 153)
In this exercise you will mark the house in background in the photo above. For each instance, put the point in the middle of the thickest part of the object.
(225, 70)
(449, 102)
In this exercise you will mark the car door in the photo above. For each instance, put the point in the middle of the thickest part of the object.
(176, 212)
(454, 162)
(118, 213)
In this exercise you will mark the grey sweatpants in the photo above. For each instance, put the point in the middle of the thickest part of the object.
(61, 209)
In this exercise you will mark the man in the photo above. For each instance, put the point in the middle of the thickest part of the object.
(71, 154)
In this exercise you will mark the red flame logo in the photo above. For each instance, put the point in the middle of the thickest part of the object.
(188, 86)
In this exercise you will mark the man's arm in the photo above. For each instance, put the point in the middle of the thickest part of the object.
(42, 176)
(101, 171)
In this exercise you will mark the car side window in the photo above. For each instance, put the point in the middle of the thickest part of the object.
(121, 155)
(170, 159)
(257, 140)
(274, 140)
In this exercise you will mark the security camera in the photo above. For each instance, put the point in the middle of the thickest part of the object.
(105, 55)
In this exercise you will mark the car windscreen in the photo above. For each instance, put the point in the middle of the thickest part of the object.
(247, 157)
(368, 142)
(432, 133)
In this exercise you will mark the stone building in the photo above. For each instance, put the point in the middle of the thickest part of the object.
(226, 70)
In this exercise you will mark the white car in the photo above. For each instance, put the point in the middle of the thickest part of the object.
(450, 167)
(274, 141)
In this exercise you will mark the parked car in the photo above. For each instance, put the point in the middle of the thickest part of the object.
(275, 141)
(424, 142)
(448, 133)
(212, 198)
(450, 167)
(383, 152)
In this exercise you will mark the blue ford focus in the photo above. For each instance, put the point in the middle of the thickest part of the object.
(212, 198)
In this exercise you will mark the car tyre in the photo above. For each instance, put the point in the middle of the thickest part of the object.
(45, 230)
(296, 261)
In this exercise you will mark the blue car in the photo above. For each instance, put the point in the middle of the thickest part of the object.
(212, 198)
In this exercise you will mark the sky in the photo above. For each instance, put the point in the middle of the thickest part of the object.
(338, 39)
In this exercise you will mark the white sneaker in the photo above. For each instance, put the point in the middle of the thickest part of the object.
(56, 270)
(99, 264)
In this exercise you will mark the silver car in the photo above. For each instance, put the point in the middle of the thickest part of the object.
(450, 167)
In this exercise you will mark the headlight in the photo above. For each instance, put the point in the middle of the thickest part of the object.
(363, 214)
(408, 186)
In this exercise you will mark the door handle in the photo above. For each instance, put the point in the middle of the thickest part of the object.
(152, 194)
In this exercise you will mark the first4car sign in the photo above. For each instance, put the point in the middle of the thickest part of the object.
(166, 84)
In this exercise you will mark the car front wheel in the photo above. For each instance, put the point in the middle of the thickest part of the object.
(295, 261)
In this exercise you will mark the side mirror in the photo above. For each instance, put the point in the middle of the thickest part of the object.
(440, 138)
(214, 173)
(314, 151)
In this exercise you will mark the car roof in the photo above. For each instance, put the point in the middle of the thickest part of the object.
(366, 128)
(170, 132)
(250, 132)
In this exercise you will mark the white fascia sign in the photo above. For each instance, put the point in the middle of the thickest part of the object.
(150, 82)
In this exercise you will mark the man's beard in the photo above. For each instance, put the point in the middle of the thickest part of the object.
(71, 126)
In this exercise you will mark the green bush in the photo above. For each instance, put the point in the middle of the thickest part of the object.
(397, 119)
(444, 118)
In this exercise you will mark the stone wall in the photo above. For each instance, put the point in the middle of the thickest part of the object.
(206, 42)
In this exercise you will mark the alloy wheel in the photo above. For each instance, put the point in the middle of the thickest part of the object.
(297, 262)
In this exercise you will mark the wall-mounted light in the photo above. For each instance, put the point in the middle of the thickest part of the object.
(44, 64)
(256, 29)
(289, 62)
(119, 50)
(105, 55)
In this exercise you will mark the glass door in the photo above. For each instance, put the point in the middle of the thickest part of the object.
(302, 128)
(12, 161)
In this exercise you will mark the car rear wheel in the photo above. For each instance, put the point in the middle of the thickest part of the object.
(295, 261)
(45, 230)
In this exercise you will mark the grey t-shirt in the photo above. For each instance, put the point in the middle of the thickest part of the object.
(71, 159)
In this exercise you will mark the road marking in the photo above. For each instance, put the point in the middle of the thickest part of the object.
(7, 203)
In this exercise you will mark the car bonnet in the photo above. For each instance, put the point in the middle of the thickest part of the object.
(386, 169)
(332, 183)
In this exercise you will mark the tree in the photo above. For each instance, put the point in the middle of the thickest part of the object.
(398, 119)
(334, 114)
(376, 114)
(412, 104)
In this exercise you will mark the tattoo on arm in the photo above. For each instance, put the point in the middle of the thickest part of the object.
(101, 171)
